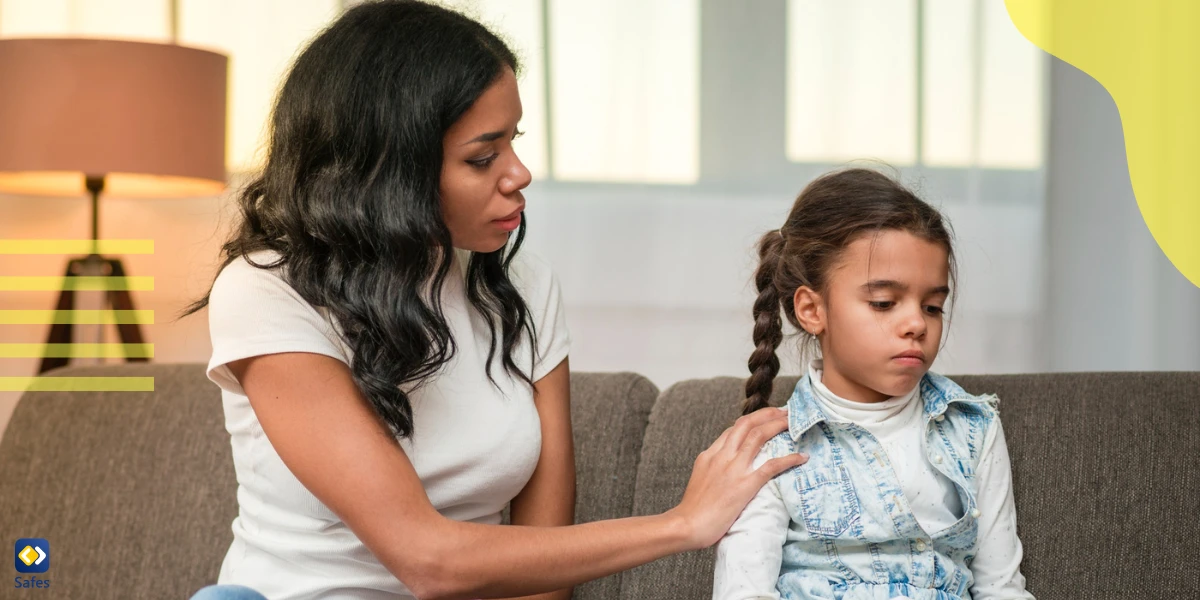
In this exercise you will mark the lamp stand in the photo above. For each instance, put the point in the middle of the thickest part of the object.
(91, 265)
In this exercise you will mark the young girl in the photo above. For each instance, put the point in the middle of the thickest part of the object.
(907, 492)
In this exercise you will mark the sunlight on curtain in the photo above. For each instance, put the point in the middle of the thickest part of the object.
(144, 20)
(1012, 104)
(852, 84)
(261, 37)
(851, 81)
(631, 111)
(1008, 101)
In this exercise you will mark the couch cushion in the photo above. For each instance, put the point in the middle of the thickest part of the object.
(608, 415)
(1106, 468)
(134, 491)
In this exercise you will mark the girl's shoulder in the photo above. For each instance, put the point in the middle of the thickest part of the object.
(937, 389)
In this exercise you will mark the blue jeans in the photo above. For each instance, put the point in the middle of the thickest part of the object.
(227, 592)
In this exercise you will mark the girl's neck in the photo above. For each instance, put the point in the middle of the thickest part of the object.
(847, 388)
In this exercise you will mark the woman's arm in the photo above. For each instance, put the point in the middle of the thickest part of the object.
(548, 500)
(329, 437)
(997, 565)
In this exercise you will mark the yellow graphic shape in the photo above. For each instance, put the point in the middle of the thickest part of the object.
(1146, 53)
(28, 555)
(76, 246)
(76, 384)
(76, 317)
(80, 283)
(77, 350)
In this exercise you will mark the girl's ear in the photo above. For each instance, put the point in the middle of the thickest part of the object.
(809, 309)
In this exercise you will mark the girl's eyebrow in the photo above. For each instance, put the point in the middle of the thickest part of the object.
(884, 284)
(891, 284)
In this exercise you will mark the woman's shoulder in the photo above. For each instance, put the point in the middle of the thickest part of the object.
(255, 284)
(260, 264)
(528, 262)
(532, 274)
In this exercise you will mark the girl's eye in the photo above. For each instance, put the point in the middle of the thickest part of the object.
(882, 305)
(482, 163)
(935, 310)
(517, 133)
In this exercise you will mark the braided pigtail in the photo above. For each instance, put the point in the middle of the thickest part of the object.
(768, 325)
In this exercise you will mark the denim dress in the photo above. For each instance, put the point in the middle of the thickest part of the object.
(852, 534)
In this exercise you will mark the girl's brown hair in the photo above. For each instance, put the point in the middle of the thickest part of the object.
(830, 213)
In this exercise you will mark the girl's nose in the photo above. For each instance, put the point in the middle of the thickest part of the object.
(913, 325)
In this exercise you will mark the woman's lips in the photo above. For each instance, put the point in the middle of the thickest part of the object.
(511, 222)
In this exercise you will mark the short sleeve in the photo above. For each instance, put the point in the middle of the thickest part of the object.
(254, 312)
(540, 289)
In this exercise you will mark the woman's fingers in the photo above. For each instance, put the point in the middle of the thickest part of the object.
(753, 442)
(768, 418)
(723, 478)
(780, 464)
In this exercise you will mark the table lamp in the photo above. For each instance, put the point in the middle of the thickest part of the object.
(129, 119)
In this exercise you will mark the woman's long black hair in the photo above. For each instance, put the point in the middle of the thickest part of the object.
(349, 197)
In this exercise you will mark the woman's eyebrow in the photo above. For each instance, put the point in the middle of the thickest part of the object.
(491, 136)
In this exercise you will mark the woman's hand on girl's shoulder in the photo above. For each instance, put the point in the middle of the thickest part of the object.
(724, 480)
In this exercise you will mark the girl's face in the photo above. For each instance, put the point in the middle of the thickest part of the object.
(482, 177)
(879, 321)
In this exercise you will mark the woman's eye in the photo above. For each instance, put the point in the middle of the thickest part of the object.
(517, 133)
(934, 310)
(482, 163)
(881, 305)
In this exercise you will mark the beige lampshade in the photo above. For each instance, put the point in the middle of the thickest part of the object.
(150, 118)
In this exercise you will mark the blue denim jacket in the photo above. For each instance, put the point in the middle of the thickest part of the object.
(853, 536)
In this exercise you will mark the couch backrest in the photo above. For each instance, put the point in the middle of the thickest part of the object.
(1106, 477)
(136, 491)
(608, 415)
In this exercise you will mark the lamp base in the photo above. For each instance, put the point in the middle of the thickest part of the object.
(61, 330)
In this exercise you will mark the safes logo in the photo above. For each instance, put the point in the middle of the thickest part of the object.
(31, 555)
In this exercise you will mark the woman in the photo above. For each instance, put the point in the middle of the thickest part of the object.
(393, 372)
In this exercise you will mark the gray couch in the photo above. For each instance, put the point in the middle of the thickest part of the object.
(135, 491)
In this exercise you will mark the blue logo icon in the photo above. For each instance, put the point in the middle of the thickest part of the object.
(32, 555)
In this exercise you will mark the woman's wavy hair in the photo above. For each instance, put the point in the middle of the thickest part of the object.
(831, 212)
(349, 197)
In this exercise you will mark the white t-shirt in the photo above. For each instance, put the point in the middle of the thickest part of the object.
(474, 446)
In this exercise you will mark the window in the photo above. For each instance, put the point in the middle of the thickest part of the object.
(612, 90)
(853, 83)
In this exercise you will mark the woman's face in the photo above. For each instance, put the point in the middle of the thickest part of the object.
(482, 177)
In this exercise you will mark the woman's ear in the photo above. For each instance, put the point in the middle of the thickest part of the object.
(809, 309)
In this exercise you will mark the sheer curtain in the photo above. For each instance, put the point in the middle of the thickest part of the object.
(667, 135)
(656, 260)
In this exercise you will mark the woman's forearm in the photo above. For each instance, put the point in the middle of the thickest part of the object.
(491, 561)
